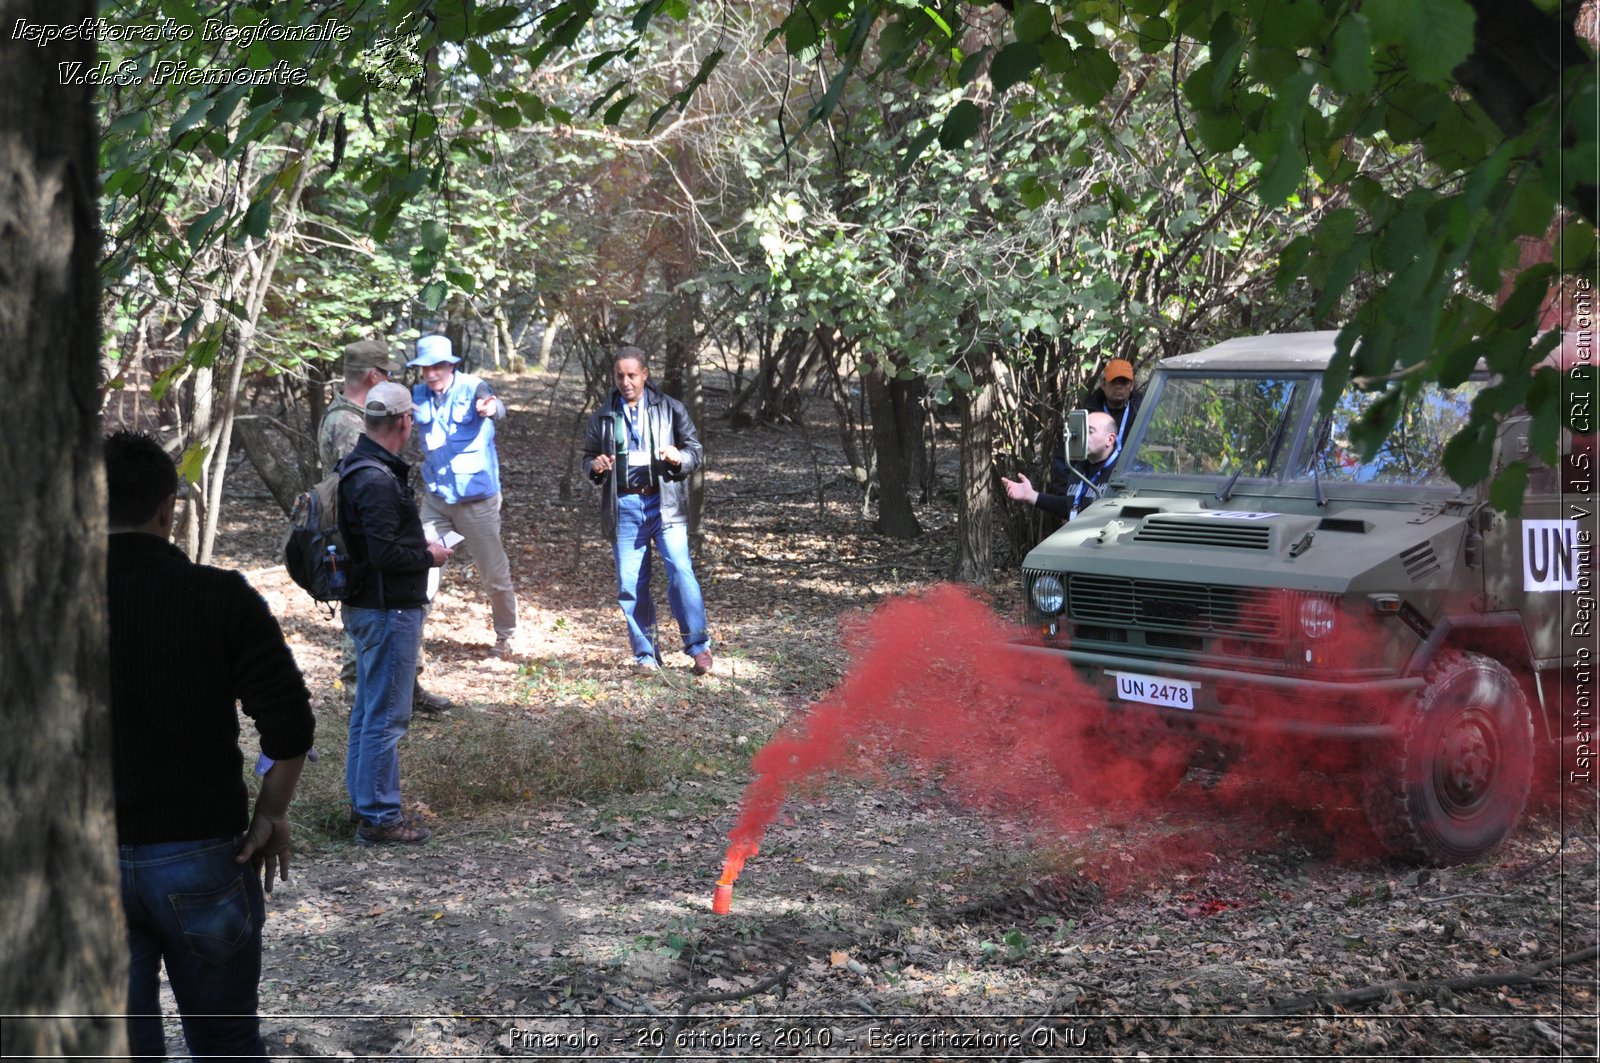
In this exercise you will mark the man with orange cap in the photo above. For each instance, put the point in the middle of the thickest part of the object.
(1116, 396)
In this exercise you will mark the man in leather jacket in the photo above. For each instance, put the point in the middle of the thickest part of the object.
(641, 447)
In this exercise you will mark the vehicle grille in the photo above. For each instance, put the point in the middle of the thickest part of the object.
(1174, 640)
(1208, 532)
(1192, 608)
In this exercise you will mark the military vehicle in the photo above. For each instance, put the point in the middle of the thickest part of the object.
(1250, 587)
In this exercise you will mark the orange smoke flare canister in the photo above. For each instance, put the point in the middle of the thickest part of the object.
(732, 864)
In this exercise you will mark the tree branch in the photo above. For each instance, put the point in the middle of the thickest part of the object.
(1367, 994)
(781, 978)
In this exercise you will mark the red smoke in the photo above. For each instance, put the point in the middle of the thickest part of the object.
(933, 685)
(927, 686)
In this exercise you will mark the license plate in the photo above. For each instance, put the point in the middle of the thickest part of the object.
(1173, 693)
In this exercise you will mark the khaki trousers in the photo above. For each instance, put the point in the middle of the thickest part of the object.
(478, 522)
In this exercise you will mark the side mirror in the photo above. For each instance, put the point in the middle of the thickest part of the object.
(1077, 435)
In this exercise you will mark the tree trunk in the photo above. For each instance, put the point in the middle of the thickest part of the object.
(283, 478)
(841, 406)
(217, 458)
(1520, 54)
(316, 409)
(547, 341)
(258, 266)
(896, 518)
(503, 341)
(683, 345)
(192, 496)
(974, 559)
(911, 413)
(64, 949)
(456, 332)
(684, 384)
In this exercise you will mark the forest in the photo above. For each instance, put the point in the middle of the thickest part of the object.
(913, 220)
(877, 247)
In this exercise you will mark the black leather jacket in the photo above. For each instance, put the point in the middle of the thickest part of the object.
(669, 423)
(383, 529)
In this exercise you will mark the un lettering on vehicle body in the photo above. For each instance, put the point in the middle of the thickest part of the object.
(1548, 549)
(1154, 690)
(1235, 514)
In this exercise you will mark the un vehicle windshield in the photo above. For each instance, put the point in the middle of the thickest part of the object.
(1241, 426)
(1220, 426)
(1412, 454)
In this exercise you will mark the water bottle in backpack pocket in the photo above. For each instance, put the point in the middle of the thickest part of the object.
(314, 551)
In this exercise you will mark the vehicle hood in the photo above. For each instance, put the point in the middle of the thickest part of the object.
(1334, 550)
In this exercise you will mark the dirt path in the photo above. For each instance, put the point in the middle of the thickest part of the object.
(883, 919)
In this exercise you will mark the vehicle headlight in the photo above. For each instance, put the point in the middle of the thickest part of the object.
(1049, 596)
(1317, 618)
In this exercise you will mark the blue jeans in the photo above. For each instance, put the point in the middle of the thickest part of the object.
(638, 527)
(386, 641)
(190, 905)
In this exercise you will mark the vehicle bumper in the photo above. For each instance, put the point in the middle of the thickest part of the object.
(1231, 702)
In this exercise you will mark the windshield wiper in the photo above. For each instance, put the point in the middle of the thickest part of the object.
(1325, 434)
(1272, 444)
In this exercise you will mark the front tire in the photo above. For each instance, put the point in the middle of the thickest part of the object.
(1451, 786)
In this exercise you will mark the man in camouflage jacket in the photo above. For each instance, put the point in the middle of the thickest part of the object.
(366, 362)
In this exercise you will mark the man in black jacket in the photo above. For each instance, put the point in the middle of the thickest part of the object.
(641, 448)
(390, 560)
(1072, 486)
(187, 642)
(1117, 397)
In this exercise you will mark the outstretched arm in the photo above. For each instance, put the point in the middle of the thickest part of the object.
(487, 403)
(1021, 489)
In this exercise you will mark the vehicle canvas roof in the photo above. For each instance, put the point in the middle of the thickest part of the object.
(1277, 350)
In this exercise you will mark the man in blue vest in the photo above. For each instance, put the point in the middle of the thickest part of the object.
(456, 414)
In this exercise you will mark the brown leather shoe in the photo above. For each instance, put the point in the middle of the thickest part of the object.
(400, 833)
(702, 663)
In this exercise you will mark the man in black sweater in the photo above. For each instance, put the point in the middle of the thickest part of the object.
(390, 559)
(187, 641)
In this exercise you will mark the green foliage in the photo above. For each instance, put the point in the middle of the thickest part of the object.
(970, 188)
(1058, 238)
(1356, 104)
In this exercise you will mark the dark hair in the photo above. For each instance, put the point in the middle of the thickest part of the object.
(631, 354)
(139, 477)
(383, 422)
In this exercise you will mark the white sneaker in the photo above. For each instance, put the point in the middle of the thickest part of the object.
(645, 663)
